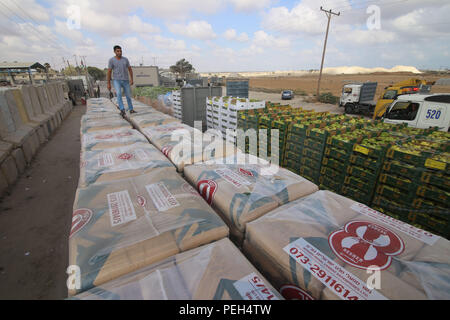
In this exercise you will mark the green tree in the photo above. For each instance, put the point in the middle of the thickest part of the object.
(96, 73)
(182, 67)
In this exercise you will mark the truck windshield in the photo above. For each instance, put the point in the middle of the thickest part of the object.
(390, 94)
(403, 111)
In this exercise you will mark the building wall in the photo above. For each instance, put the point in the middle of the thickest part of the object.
(146, 76)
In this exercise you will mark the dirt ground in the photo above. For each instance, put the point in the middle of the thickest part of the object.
(35, 219)
(297, 102)
(334, 83)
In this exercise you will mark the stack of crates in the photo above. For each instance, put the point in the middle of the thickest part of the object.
(296, 137)
(414, 184)
(177, 105)
(315, 144)
(367, 153)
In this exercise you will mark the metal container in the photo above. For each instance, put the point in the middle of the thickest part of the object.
(194, 103)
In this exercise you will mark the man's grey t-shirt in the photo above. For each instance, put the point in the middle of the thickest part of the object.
(119, 67)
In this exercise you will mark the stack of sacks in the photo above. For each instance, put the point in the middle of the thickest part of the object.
(12, 129)
(94, 125)
(326, 246)
(177, 142)
(152, 119)
(111, 139)
(243, 193)
(184, 145)
(121, 226)
(217, 271)
(120, 162)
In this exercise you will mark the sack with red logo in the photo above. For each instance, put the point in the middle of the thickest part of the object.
(242, 193)
(331, 247)
(119, 163)
(111, 139)
(217, 271)
(121, 226)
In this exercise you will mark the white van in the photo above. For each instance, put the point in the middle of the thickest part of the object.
(421, 111)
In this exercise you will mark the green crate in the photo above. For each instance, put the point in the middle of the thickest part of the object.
(309, 174)
(314, 164)
(358, 183)
(404, 184)
(334, 164)
(393, 193)
(402, 169)
(294, 147)
(291, 137)
(330, 184)
(357, 194)
(293, 156)
(433, 193)
(423, 160)
(363, 173)
(336, 154)
(312, 154)
(436, 179)
(330, 173)
(314, 145)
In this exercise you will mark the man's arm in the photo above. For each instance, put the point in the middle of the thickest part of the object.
(131, 75)
(109, 79)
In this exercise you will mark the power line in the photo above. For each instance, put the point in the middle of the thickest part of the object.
(49, 41)
(32, 19)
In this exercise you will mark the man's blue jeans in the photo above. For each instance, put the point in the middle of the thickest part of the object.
(125, 84)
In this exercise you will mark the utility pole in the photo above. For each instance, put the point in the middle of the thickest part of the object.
(329, 15)
(76, 62)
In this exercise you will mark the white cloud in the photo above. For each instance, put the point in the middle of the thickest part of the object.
(200, 30)
(261, 38)
(250, 5)
(231, 35)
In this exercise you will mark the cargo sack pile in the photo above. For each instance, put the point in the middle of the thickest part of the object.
(88, 126)
(119, 163)
(326, 246)
(111, 139)
(123, 225)
(218, 271)
(242, 193)
(152, 119)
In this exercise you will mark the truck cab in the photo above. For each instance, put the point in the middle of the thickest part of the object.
(358, 97)
(421, 111)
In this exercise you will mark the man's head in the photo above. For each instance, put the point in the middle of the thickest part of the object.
(118, 51)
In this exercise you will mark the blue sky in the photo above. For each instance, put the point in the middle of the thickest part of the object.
(229, 35)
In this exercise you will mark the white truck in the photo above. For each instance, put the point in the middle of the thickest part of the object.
(358, 97)
(421, 111)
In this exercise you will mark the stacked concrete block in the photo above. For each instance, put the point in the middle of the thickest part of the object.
(21, 136)
(28, 116)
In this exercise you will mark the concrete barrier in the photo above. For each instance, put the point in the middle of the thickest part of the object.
(17, 107)
(41, 101)
(21, 137)
(44, 119)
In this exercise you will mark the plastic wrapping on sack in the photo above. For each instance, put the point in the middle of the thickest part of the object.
(121, 226)
(241, 193)
(110, 139)
(103, 124)
(152, 120)
(174, 140)
(218, 271)
(326, 246)
(119, 163)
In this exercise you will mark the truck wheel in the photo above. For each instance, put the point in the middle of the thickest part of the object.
(349, 108)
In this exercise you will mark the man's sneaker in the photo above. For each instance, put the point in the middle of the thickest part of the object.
(132, 111)
(122, 113)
